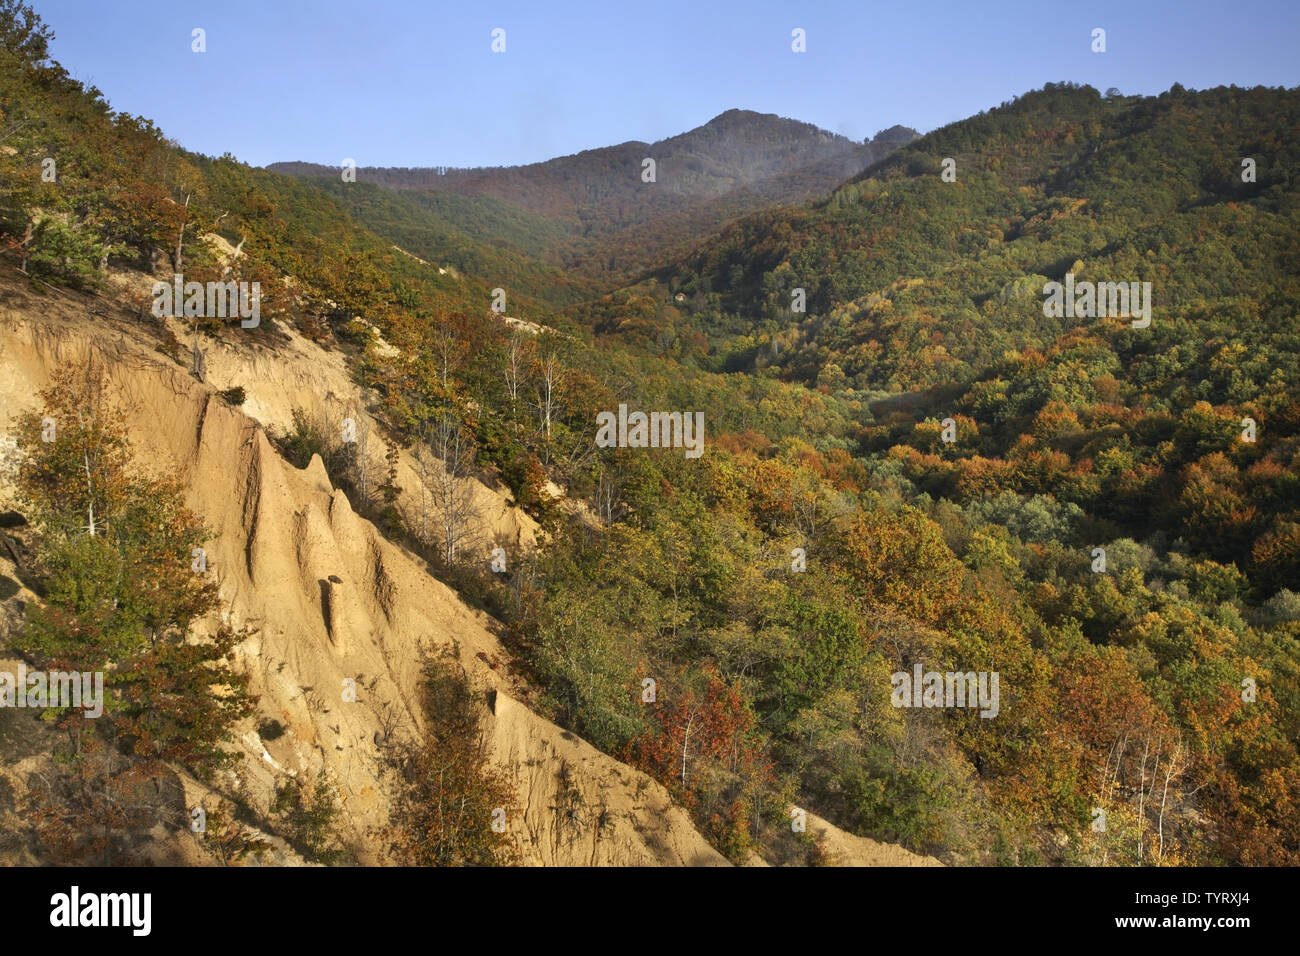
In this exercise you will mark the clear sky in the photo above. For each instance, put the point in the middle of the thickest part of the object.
(415, 82)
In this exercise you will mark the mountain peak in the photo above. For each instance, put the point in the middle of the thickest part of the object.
(896, 134)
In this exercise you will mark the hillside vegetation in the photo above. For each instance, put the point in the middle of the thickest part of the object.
(601, 213)
(1174, 447)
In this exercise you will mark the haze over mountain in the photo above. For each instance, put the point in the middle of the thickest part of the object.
(608, 220)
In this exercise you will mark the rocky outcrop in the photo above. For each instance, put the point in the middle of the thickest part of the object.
(328, 600)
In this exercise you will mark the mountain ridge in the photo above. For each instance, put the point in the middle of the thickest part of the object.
(624, 207)
(896, 133)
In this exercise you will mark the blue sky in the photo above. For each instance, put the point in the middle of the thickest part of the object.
(414, 82)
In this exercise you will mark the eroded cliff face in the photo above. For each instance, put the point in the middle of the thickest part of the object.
(328, 600)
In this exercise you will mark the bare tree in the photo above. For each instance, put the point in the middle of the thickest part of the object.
(607, 497)
(426, 467)
(180, 236)
(448, 352)
(360, 466)
(1174, 767)
(1142, 791)
(516, 358)
(551, 379)
(451, 486)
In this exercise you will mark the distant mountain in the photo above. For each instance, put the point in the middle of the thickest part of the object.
(615, 222)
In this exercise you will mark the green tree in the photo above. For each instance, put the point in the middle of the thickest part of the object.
(117, 558)
(448, 797)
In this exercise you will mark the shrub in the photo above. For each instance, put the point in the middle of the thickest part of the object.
(448, 795)
(309, 818)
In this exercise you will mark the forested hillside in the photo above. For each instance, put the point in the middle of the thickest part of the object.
(925, 301)
(829, 537)
(1173, 446)
(615, 216)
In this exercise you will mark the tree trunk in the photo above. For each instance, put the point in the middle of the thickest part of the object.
(1142, 793)
(90, 489)
(27, 238)
(198, 368)
(686, 742)
(180, 238)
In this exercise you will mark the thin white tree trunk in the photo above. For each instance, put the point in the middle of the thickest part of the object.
(1142, 793)
(90, 493)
